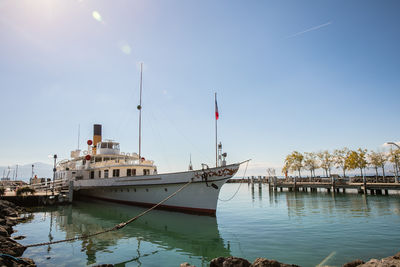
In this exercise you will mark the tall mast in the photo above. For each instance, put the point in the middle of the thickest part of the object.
(216, 131)
(140, 113)
(79, 134)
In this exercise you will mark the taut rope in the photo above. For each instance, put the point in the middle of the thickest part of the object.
(237, 190)
(116, 227)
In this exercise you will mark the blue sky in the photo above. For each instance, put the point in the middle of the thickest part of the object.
(290, 75)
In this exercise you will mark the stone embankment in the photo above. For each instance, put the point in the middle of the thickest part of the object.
(10, 250)
(392, 261)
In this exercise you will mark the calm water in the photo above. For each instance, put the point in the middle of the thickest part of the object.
(300, 228)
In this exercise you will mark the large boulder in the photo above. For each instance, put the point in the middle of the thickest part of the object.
(393, 261)
(16, 262)
(229, 262)
(262, 262)
(354, 263)
(11, 247)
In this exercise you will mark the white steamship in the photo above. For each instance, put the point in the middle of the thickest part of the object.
(103, 172)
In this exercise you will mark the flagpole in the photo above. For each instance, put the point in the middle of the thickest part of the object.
(140, 114)
(216, 131)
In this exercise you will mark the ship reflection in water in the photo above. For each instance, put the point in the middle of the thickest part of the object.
(159, 231)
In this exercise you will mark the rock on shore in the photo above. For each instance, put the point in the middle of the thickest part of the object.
(9, 216)
(393, 261)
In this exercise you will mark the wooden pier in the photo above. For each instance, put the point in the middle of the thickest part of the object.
(46, 194)
(324, 184)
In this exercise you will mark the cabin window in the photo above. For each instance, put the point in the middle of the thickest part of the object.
(128, 172)
(99, 174)
(133, 172)
(105, 173)
(155, 171)
(106, 159)
(116, 173)
(103, 145)
(92, 175)
(146, 172)
(98, 159)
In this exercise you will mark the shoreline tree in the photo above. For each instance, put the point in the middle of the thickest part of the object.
(294, 162)
(356, 160)
(311, 163)
(326, 161)
(339, 158)
(394, 158)
(377, 160)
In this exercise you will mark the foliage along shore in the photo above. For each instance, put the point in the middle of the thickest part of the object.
(343, 159)
(10, 250)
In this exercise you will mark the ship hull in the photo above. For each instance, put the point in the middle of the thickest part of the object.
(200, 196)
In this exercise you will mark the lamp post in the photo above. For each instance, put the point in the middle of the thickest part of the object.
(395, 160)
(54, 173)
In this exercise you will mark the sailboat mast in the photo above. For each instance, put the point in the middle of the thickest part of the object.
(140, 113)
(79, 134)
(216, 131)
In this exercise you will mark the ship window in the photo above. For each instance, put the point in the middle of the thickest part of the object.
(116, 146)
(133, 172)
(99, 174)
(106, 159)
(109, 145)
(165, 189)
(103, 145)
(128, 172)
(134, 189)
(98, 159)
(92, 175)
(116, 173)
(105, 173)
(146, 172)
(147, 190)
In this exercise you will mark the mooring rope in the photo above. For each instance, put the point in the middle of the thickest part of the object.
(237, 190)
(116, 227)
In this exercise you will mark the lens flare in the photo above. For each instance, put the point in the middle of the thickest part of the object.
(125, 47)
(96, 15)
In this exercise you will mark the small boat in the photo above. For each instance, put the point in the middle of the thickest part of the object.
(105, 173)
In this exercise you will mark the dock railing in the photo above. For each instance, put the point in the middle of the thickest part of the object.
(59, 186)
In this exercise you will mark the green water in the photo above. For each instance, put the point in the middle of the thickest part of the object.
(300, 228)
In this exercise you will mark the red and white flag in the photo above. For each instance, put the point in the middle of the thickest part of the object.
(216, 109)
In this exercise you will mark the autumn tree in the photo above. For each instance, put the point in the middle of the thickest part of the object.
(377, 160)
(297, 161)
(339, 159)
(326, 161)
(394, 158)
(357, 160)
(311, 163)
(294, 162)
